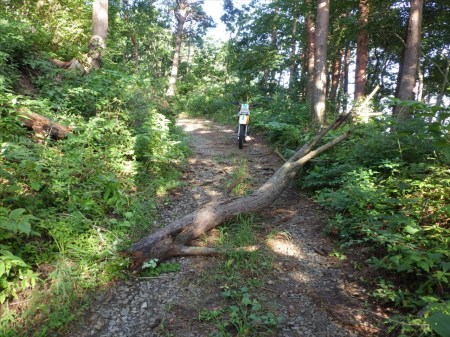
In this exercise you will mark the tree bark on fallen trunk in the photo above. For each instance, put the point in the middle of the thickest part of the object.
(42, 126)
(173, 240)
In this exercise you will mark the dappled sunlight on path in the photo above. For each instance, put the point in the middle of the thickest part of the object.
(306, 288)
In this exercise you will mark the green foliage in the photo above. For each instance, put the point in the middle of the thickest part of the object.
(68, 207)
(284, 121)
(241, 273)
(152, 268)
(243, 315)
(390, 186)
(440, 323)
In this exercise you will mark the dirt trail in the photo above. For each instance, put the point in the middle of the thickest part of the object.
(311, 290)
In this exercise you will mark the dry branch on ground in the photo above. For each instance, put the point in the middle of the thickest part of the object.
(42, 126)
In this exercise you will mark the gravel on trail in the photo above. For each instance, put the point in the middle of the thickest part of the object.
(310, 289)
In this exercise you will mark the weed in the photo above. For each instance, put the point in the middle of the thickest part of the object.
(241, 274)
(152, 268)
(240, 182)
(243, 315)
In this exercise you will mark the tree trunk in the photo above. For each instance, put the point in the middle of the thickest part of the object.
(133, 39)
(293, 66)
(411, 57)
(97, 43)
(135, 49)
(310, 43)
(345, 76)
(444, 82)
(172, 240)
(420, 84)
(336, 75)
(362, 54)
(320, 62)
(99, 33)
(42, 126)
(181, 17)
(274, 44)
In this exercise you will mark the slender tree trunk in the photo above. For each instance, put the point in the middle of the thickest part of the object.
(274, 43)
(374, 77)
(99, 32)
(362, 54)
(135, 48)
(411, 59)
(345, 76)
(133, 39)
(420, 84)
(181, 16)
(336, 75)
(310, 44)
(444, 82)
(266, 76)
(293, 66)
(320, 62)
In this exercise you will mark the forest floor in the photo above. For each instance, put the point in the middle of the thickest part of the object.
(312, 292)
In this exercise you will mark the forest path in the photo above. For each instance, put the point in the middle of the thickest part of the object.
(315, 294)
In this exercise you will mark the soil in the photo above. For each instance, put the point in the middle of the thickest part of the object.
(315, 293)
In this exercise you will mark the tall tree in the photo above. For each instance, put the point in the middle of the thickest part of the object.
(310, 43)
(410, 59)
(320, 62)
(99, 32)
(440, 97)
(336, 75)
(97, 42)
(362, 54)
(181, 13)
(293, 66)
(345, 78)
(185, 11)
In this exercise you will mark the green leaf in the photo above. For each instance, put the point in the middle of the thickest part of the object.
(440, 323)
(24, 227)
(256, 306)
(445, 266)
(411, 229)
(2, 268)
(9, 225)
(16, 213)
(424, 265)
(246, 300)
(35, 185)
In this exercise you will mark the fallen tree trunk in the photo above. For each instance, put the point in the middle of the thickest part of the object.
(173, 240)
(42, 126)
(70, 65)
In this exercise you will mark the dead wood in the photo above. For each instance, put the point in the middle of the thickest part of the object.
(73, 64)
(42, 126)
(173, 240)
(210, 251)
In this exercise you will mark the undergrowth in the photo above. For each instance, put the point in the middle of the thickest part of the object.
(68, 207)
(245, 311)
(389, 187)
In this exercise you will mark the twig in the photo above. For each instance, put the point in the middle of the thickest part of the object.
(280, 155)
